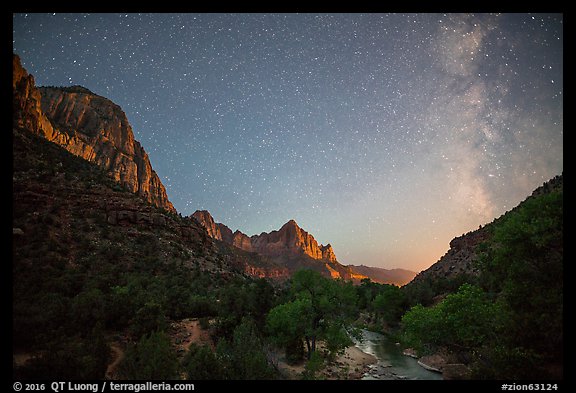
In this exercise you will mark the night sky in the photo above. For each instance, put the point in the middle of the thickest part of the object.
(386, 135)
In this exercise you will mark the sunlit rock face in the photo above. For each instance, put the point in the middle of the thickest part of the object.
(205, 218)
(289, 239)
(290, 246)
(242, 241)
(328, 253)
(89, 126)
(97, 130)
(26, 107)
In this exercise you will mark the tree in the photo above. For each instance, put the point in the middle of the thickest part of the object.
(152, 358)
(241, 298)
(320, 309)
(69, 358)
(246, 357)
(463, 321)
(202, 363)
(510, 325)
(390, 303)
(88, 307)
(261, 299)
(522, 266)
(150, 317)
(367, 291)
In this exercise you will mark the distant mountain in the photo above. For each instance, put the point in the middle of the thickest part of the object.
(290, 246)
(294, 248)
(89, 126)
(385, 276)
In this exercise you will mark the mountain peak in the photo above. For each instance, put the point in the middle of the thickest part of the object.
(291, 223)
(290, 241)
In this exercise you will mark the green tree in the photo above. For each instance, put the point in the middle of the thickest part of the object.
(97, 347)
(320, 309)
(88, 308)
(294, 350)
(152, 358)
(464, 320)
(69, 358)
(150, 317)
(511, 323)
(313, 365)
(261, 299)
(244, 357)
(202, 363)
(390, 303)
(119, 307)
(367, 291)
(523, 266)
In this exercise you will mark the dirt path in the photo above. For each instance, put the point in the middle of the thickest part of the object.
(117, 356)
(187, 331)
(182, 334)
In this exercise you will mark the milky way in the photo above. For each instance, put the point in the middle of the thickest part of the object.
(385, 135)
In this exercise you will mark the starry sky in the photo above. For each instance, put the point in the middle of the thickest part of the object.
(386, 135)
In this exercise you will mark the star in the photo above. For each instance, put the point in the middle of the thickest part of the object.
(435, 122)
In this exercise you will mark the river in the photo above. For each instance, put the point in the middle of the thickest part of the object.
(392, 364)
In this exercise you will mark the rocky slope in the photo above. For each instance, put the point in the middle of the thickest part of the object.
(70, 206)
(89, 126)
(290, 246)
(461, 259)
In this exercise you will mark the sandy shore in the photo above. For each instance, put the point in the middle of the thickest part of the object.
(352, 364)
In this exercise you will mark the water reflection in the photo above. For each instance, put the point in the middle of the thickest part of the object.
(391, 363)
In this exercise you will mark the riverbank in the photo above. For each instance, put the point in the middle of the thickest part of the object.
(375, 357)
(392, 363)
(351, 365)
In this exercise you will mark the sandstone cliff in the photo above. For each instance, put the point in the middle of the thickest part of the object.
(290, 246)
(89, 126)
(289, 239)
(26, 106)
(328, 253)
(242, 241)
(205, 218)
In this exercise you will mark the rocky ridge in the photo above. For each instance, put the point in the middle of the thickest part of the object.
(89, 126)
(290, 246)
(461, 259)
